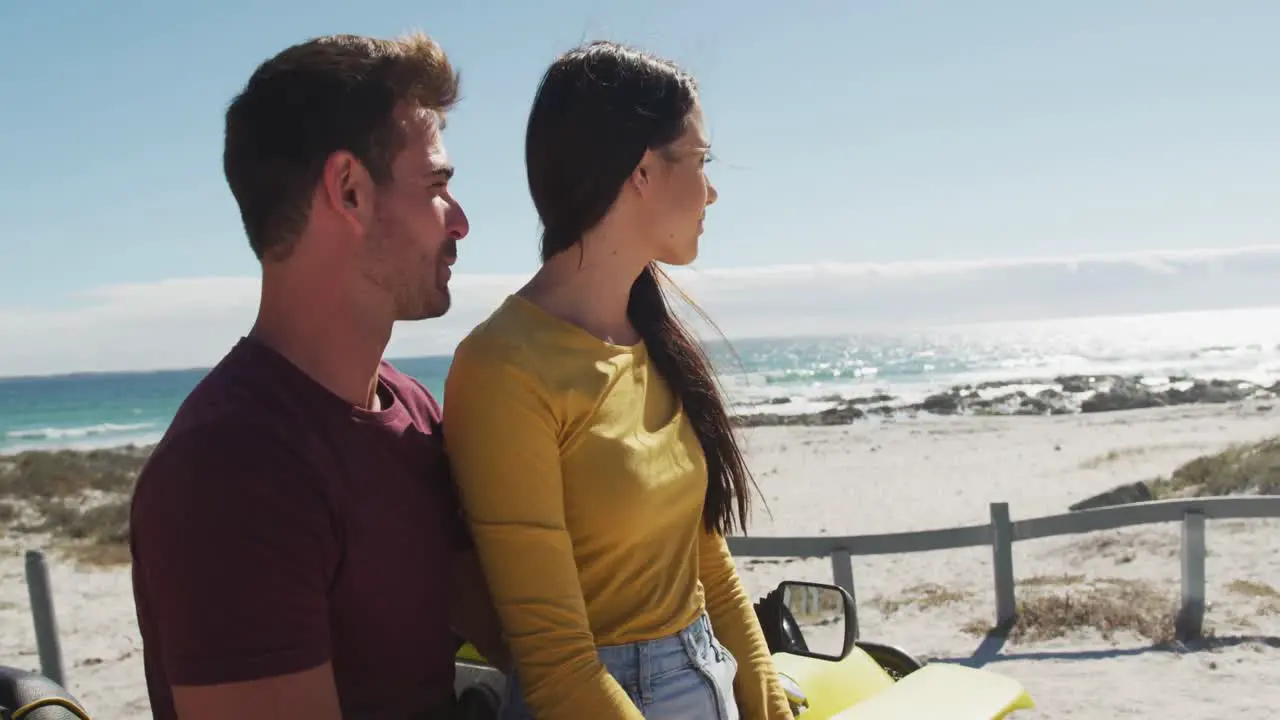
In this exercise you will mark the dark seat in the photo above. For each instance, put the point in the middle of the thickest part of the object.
(25, 695)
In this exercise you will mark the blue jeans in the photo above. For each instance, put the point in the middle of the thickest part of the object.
(685, 676)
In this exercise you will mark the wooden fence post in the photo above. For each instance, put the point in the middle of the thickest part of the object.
(842, 569)
(1002, 563)
(842, 573)
(1190, 623)
(40, 590)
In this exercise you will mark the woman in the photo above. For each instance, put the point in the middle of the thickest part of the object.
(594, 456)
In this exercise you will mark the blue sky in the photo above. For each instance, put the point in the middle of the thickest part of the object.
(847, 132)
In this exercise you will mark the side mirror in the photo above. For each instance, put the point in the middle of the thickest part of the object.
(817, 620)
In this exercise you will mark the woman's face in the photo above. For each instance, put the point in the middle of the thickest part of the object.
(680, 193)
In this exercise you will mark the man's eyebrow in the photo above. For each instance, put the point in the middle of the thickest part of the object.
(444, 171)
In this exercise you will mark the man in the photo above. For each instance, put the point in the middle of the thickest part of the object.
(297, 546)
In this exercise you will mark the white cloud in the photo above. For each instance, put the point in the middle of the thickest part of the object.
(189, 322)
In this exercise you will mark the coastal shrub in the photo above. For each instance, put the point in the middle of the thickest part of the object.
(1268, 597)
(43, 474)
(103, 524)
(1253, 588)
(106, 522)
(1107, 606)
(79, 499)
(1241, 468)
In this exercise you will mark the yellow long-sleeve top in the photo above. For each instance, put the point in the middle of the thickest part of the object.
(583, 484)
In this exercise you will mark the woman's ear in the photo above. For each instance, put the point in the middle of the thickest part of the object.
(643, 174)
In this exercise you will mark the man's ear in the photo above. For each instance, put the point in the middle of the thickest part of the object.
(348, 188)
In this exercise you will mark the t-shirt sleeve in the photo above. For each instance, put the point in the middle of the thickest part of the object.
(502, 439)
(235, 545)
(459, 536)
(733, 618)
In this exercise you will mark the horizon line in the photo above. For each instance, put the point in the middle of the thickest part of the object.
(713, 342)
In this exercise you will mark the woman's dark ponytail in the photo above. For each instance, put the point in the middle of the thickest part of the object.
(687, 369)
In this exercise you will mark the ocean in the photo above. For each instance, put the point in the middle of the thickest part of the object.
(112, 409)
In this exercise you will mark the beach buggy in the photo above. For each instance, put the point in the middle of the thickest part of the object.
(828, 672)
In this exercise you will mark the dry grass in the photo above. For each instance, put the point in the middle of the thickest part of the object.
(1050, 580)
(926, 596)
(100, 555)
(976, 627)
(1056, 608)
(1240, 469)
(103, 523)
(80, 499)
(1114, 456)
(67, 473)
(1253, 588)
(1268, 597)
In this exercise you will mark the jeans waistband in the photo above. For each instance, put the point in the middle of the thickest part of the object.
(640, 661)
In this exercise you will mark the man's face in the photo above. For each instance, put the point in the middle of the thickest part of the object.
(416, 226)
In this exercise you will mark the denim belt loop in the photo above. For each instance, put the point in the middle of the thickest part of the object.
(644, 668)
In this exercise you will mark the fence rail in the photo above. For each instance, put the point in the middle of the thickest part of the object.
(1002, 532)
(999, 534)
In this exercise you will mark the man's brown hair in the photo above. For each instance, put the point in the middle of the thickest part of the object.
(311, 100)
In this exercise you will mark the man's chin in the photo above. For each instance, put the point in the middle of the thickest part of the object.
(433, 307)
(443, 301)
(439, 309)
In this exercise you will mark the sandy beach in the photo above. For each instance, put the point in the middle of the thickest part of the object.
(900, 475)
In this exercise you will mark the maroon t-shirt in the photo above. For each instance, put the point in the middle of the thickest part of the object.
(276, 527)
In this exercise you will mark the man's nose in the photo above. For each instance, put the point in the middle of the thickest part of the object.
(458, 224)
